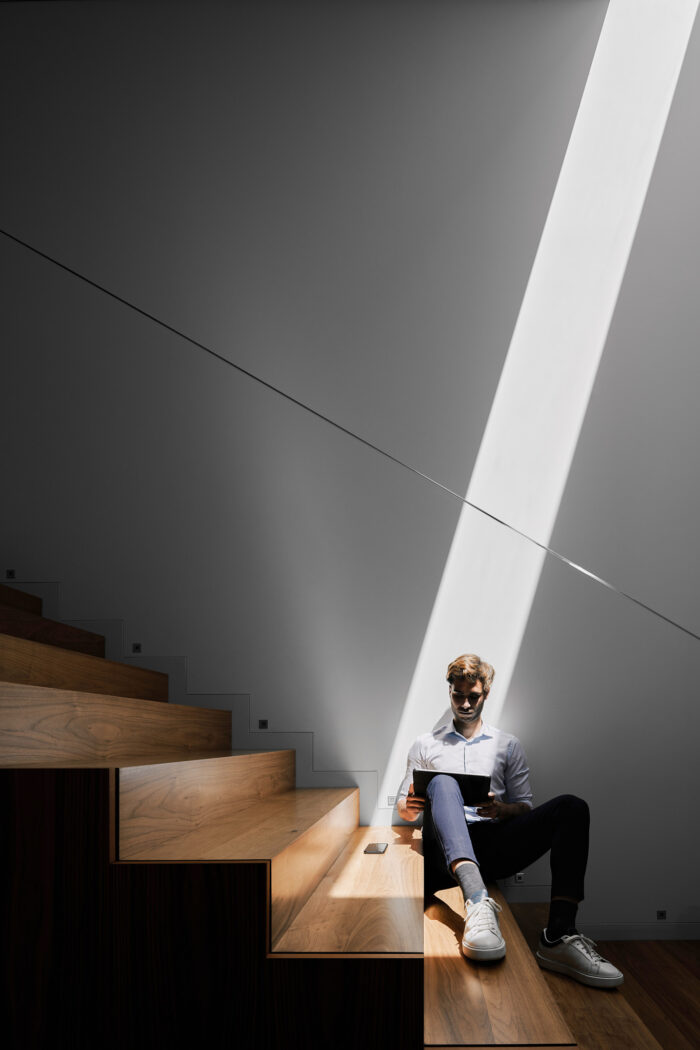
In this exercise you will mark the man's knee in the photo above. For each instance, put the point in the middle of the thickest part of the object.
(574, 807)
(444, 787)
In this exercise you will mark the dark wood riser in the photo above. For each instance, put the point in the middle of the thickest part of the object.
(171, 955)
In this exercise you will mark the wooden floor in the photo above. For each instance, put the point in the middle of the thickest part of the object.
(658, 1006)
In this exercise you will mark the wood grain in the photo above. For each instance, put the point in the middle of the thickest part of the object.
(366, 903)
(33, 663)
(668, 970)
(673, 1021)
(20, 599)
(254, 831)
(599, 1020)
(296, 871)
(471, 1004)
(22, 624)
(44, 727)
(184, 800)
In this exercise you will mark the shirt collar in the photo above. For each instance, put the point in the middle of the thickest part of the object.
(448, 729)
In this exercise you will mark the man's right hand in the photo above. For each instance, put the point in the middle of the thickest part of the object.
(410, 807)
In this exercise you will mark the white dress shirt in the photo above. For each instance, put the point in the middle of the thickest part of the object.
(490, 752)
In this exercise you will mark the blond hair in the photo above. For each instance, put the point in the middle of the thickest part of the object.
(472, 668)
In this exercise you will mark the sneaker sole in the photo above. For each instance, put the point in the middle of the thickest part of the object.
(579, 975)
(484, 954)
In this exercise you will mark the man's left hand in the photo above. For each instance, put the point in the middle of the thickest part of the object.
(494, 808)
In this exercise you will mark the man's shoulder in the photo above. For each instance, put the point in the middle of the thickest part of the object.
(425, 739)
(504, 738)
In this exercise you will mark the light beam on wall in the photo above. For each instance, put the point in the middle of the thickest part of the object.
(491, 574)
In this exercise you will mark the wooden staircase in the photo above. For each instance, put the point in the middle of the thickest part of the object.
(157, 879)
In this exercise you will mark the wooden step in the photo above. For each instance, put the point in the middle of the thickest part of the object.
(366, 905)
(296, 870)
(33, 663)
(44, 727)
(299, 833)
(23, 624)
(255, 831)
(134, 955)
(507, 1003)
(165, 806)
(20, 599)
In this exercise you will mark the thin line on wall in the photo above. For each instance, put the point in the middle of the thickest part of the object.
(464, 500)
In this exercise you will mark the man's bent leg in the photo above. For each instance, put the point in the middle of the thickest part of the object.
(559, 826)
(444, 823)
(447, 846)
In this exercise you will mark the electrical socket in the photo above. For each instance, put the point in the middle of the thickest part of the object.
(661, 914)
(519, 877)
(391, 800)
(262, 723)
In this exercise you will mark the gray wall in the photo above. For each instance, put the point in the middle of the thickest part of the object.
(346, 199)
(616, 686)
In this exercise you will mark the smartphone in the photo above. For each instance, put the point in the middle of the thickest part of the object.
(376, 847)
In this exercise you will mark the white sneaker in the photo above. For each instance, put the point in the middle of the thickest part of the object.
(576, 956)
(482, 938)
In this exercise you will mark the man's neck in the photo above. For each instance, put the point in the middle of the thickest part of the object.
(469, 730)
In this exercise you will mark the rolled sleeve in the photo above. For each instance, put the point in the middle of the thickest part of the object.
(517, 775)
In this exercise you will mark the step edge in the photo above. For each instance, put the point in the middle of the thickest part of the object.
(226, 828)
(86, 658)
(25, 598)
(344, 834)
(355, 839)
(39, 618)
(84, 696)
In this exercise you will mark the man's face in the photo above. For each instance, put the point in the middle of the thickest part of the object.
(467, 700)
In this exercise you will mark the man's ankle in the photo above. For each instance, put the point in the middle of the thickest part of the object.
(479, 895)
(470, 881)
(554, 936)
(562, 918)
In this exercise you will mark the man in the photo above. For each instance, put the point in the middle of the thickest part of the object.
(504, 835)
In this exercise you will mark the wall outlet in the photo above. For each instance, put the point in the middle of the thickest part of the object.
(519, 877)
(391, 800)
(136, 647)
(9, 574)
(262, 723)
(661, 914)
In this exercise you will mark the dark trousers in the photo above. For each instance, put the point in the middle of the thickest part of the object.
(501, 848)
